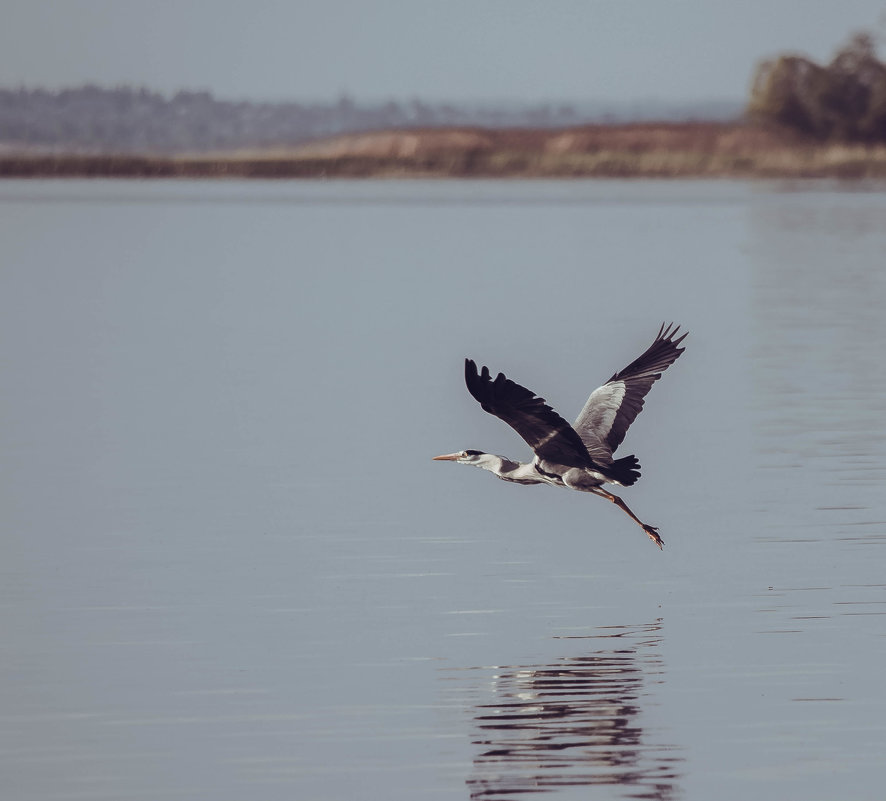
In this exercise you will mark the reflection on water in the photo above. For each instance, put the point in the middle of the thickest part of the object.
(574, 722)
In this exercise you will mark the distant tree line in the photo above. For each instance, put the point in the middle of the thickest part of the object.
(844, 100)
(132, 120)
(125, 119)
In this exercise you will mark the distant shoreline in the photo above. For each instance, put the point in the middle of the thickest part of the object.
(648, 150)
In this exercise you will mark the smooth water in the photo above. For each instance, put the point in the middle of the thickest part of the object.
(230, 569)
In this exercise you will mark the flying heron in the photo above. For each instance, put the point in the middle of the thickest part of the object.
(577, 456)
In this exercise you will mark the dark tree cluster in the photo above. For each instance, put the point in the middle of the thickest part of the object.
(844, 100)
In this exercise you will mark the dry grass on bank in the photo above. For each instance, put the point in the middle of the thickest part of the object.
(689, 150)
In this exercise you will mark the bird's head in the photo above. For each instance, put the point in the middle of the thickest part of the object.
(464, 457)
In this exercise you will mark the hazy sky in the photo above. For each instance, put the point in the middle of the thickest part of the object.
(610, 50)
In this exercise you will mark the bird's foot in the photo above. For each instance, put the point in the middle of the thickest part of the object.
(652, 533)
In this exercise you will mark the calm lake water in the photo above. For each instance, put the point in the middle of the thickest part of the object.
(231, 571)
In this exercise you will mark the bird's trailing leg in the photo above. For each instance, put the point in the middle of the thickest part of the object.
(651, 531)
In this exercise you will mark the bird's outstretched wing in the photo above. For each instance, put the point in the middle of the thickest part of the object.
(548, 434)
(612, 408)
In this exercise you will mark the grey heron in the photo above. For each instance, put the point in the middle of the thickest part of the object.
(577, 456)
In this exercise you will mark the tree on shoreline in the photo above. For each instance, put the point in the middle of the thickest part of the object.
(842, 101)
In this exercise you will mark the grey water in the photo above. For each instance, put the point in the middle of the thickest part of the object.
(231, 570)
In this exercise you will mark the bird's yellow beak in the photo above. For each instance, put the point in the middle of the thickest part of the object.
(446, 457)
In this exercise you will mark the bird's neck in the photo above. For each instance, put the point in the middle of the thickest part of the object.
(508, 469)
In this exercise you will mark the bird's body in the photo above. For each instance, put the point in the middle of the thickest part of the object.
(580, 456)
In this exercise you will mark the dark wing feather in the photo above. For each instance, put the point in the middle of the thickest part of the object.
(548, 434)
(612, 408)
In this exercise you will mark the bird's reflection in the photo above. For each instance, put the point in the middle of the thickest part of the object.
(575, 722)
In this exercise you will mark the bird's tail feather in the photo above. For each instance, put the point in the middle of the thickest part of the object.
(625, 471)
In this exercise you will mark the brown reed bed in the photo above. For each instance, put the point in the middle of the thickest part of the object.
(687, 150)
